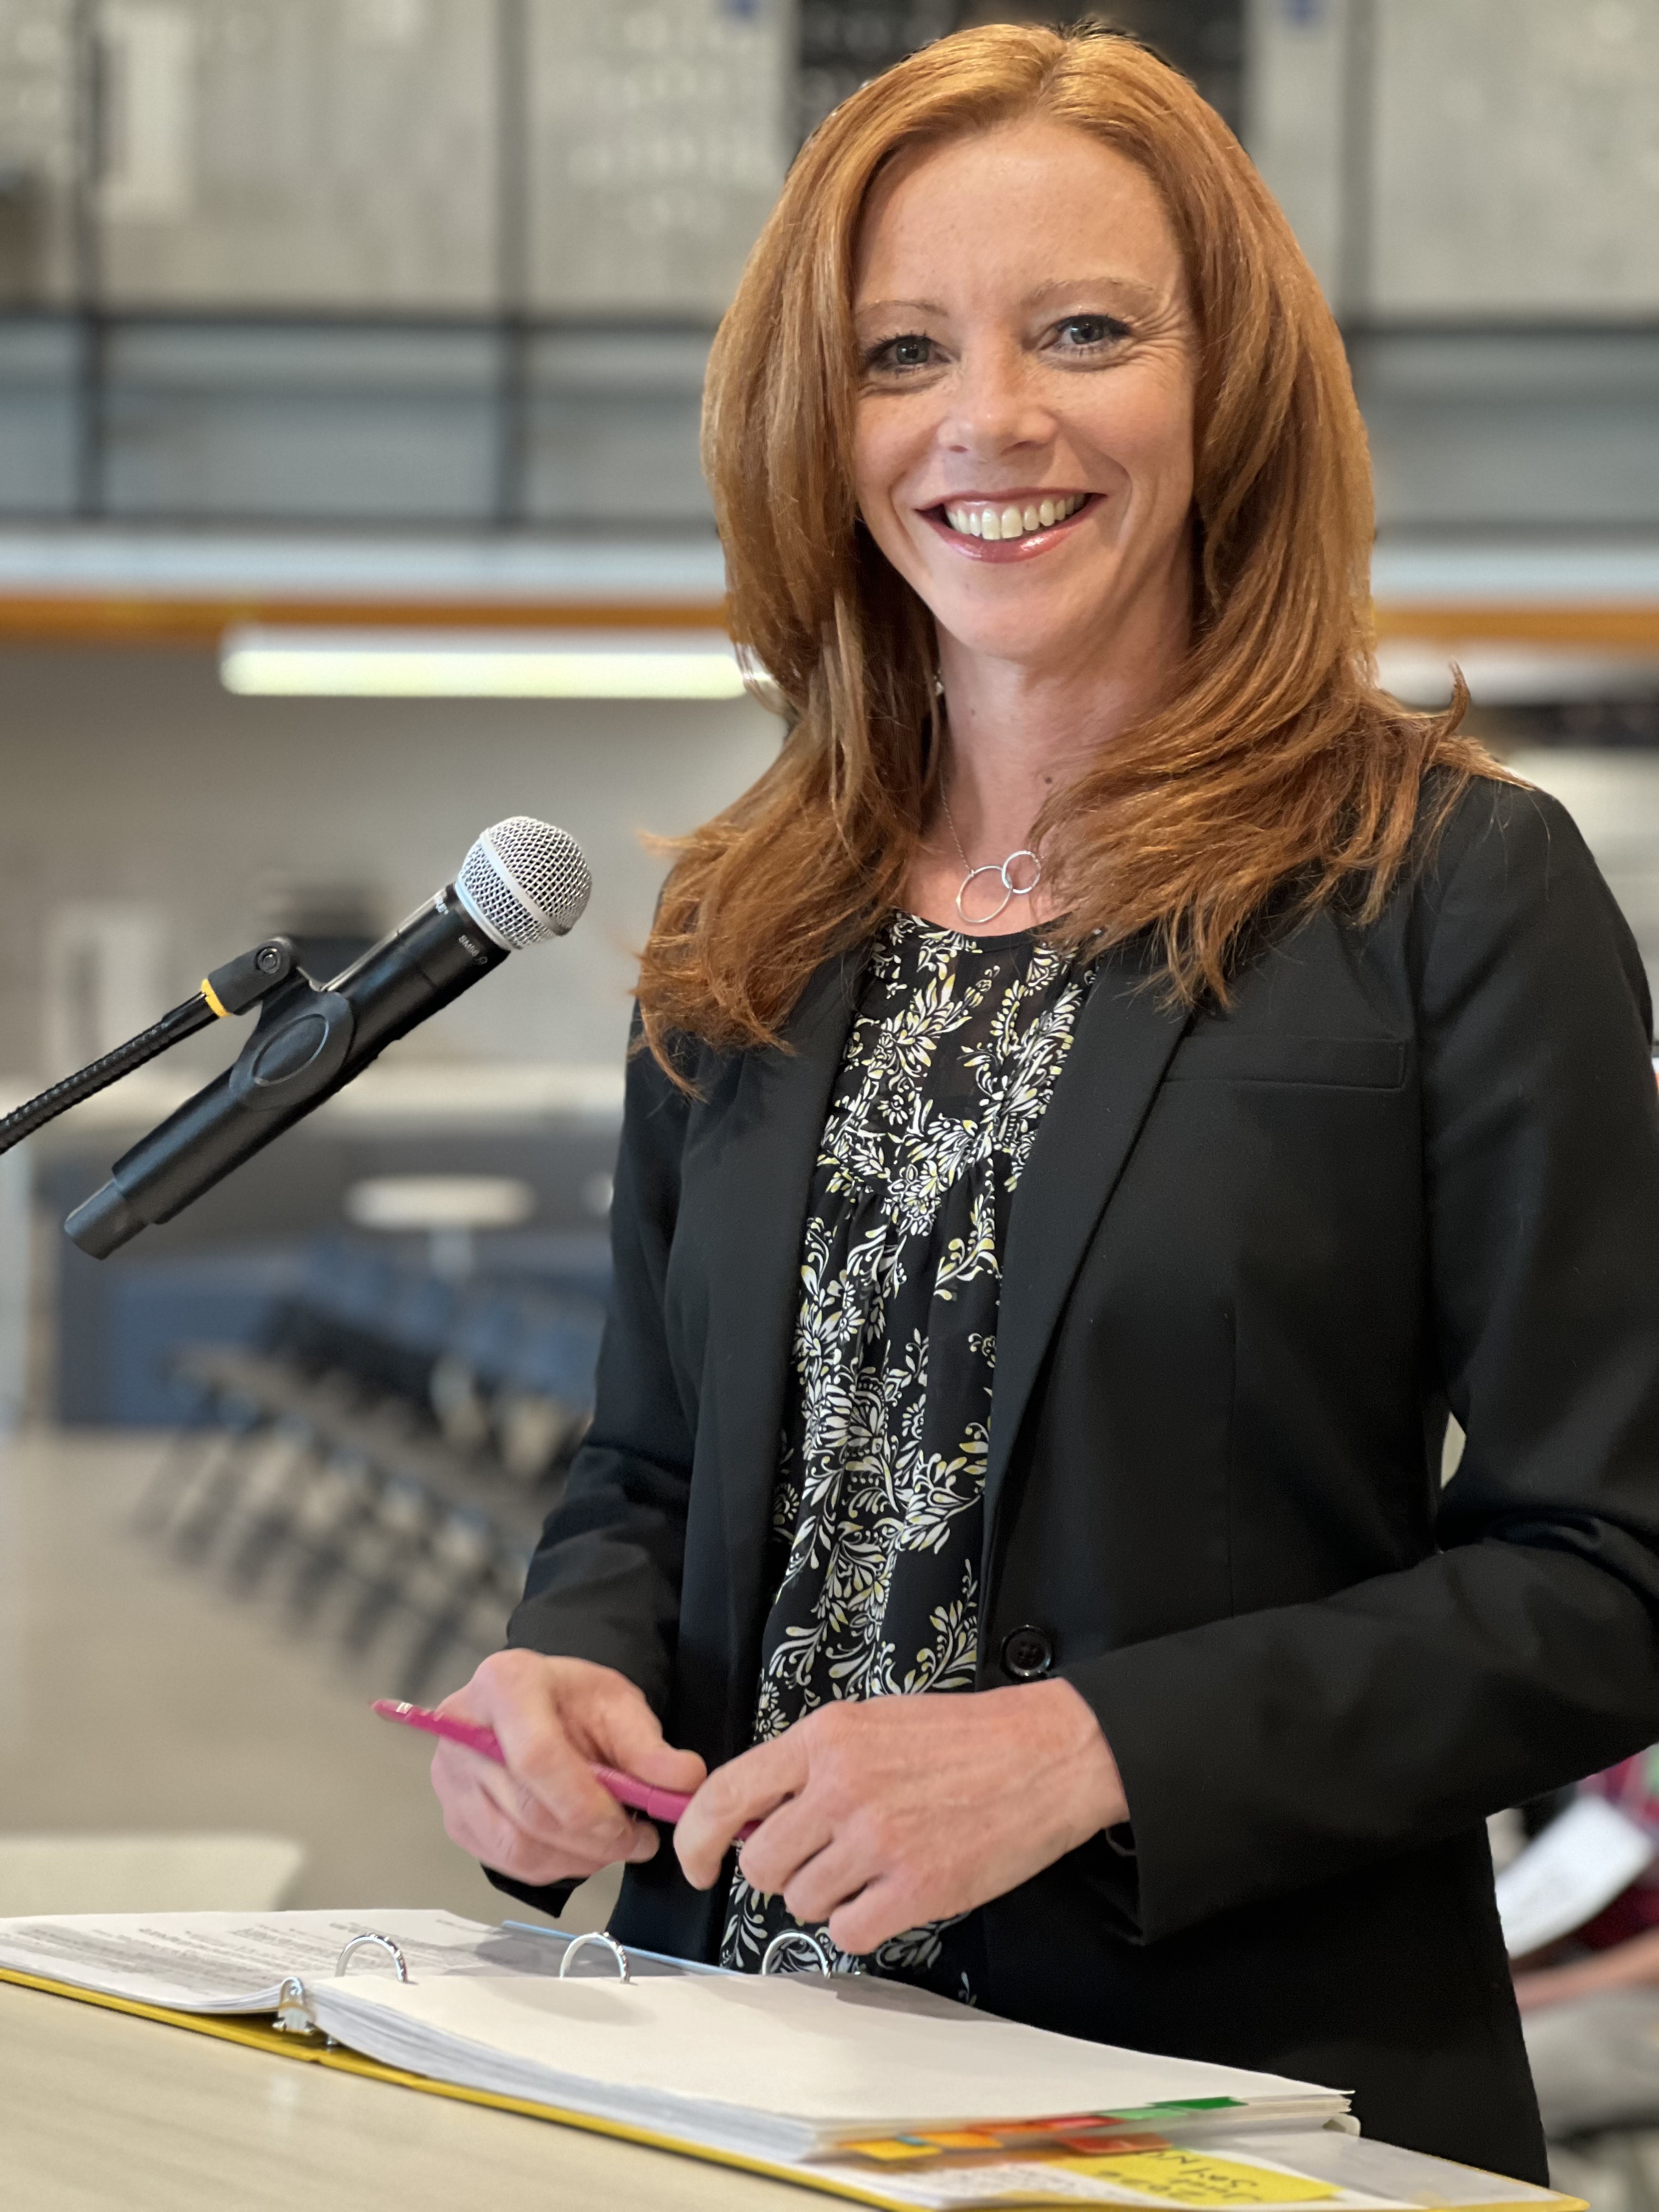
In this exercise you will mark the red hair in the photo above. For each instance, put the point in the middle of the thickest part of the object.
(1272, 761)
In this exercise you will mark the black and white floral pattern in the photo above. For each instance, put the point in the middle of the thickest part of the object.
(877, 1508)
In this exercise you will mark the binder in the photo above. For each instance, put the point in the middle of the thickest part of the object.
(1213, 2151)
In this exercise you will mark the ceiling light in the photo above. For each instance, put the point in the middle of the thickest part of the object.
(345, 663)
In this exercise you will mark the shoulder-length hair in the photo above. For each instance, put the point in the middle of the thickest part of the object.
(1271, 766)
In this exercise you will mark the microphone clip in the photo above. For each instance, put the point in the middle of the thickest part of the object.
(251, 976)
(232, 989)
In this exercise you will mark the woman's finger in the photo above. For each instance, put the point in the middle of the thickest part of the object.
(883, 1909)
(465, 1778)
(745, 1789)
(458, 1774)
(478, 1825)
(792, 1834)
(541, 1757)
(478, 1820)
(511, 1852)
(828, 1881)
(624, 1732)
(521, 1696)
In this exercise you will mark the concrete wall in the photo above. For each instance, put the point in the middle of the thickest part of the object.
(429, 156)
(132, 781)
(1476, 186)
(1489, 158)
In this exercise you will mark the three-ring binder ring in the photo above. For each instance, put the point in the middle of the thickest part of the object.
(795, 1939)
(386, 1944)
(607, 1943)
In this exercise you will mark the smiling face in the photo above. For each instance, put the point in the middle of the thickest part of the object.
(1025, 440)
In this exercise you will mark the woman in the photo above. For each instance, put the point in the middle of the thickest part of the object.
(1102, 1097)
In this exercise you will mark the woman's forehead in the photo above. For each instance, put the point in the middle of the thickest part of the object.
(1028, 207)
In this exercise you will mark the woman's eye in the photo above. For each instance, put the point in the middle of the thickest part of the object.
(1084, 334)
(910, 351)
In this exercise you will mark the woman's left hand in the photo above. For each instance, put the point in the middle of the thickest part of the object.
(880, 1815)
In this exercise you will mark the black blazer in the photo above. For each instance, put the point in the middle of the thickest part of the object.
(1255, 1257)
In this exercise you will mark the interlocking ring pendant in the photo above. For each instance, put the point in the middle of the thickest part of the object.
(1011, 889)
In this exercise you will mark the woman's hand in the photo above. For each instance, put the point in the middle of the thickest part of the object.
(542, 1817)
(877, 1816)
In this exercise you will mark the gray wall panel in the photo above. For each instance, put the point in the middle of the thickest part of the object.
(235, 421)
(612, 428)
(1496, 429)
(1516, 166)
(288, 152)
(37, 416)
(657, 143)
(37, 140)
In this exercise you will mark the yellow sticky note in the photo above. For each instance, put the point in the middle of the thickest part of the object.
(894, 2150)
(1191, 2177)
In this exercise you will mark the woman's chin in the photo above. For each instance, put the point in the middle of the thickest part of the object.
(1025, 639)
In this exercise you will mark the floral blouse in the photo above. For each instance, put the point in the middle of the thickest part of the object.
(877, 1511)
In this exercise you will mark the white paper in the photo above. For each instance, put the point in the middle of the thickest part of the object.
(1580, 1863)
(237, 1962)
(781, 2068)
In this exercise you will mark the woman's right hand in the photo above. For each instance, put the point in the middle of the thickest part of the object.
(542, 1818)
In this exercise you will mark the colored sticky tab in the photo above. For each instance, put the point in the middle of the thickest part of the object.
(1192, 2177)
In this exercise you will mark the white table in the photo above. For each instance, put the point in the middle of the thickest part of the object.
(103, 2112)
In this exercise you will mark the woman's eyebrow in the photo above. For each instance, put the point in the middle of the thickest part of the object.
(1071, 287)
(898, 306)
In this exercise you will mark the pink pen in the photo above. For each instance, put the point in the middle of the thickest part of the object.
(664, 1805)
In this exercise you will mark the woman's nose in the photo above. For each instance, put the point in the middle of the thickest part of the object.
(993, 406)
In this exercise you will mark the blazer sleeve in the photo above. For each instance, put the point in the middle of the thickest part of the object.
(604, 1582)
(1280, 1748)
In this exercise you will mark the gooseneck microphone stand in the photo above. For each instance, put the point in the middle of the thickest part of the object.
(232, 989)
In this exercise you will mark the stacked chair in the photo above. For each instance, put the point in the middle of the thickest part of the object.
(379, 1463)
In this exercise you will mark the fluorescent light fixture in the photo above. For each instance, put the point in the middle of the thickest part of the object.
(439, 1201)
(345, 663)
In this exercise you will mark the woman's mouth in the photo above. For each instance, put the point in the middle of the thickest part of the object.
(1010, 528)
(995, 519)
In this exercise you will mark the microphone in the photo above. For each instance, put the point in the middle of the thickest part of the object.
(523, 881)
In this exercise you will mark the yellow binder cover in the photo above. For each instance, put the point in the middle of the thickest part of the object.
(1180, 2176)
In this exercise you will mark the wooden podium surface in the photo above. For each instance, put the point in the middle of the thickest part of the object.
(99, 2110)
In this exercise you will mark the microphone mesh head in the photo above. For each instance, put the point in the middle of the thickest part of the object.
(524, 880)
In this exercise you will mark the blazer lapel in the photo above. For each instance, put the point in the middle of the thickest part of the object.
(778, 1120)
(1123, 1040)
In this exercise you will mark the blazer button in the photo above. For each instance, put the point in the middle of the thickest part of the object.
(1027, 1653)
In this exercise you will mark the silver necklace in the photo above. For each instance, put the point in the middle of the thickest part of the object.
(1011, 889)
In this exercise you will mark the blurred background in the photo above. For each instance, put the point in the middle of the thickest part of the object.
(350, 356)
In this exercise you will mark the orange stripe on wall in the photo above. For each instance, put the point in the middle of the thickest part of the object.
(1631, 627)
(77, 619)
(81, 619)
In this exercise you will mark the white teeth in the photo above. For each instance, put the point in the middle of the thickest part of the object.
(993, 523)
